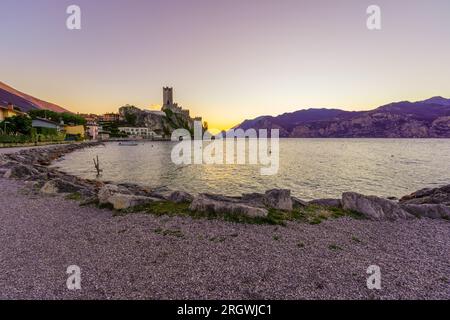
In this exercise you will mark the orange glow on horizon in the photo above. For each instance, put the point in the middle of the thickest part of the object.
(221, 118)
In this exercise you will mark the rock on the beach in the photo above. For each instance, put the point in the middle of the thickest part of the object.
(124, 201)
(180, 197)
(296, 202)
(336, 203)
(60, 186)
(19, 171)
(136, 189)
(276, 199)
(253, 199)
(49, 188)
(279, 199)
(6, 173)
(433, 211)
(220, 205)
(429, 196)
(374, 208)
(170, 195)
(121, 198)
(107, 191)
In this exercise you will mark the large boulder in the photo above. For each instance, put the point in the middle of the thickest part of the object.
(136, 189)
(62, 186)
(108, 190)
(49, 188)
(433, 211)
(374, 208)
(279, 199)
(254, 199)
(170, 195)
(275, 199)
(429, 196)
(121, 198)
(19, 171)
(299, 203)
(180, 197)
(225, 205)
(121, 201)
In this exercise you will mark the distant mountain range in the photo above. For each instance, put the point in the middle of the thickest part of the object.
(24, 101)
(422, 119)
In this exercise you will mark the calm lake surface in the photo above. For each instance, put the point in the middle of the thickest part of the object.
(311, 168)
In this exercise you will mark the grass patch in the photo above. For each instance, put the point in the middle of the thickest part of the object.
(315, 214)
(315, 220)
(218, 239)
(311, 214)
(300, 245)
(107, 206)
(335, 247)
(339, 213)
(168, 232)
(162, 208)
(276, 238)
(76, 196)
(275, 217)
(356, 239)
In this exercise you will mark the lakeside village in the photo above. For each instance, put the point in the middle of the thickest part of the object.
(45, 126)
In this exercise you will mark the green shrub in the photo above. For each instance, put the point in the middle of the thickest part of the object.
(20, 138)
(20, 124)
(68, 118)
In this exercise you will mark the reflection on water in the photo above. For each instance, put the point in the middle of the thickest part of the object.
(311, 168)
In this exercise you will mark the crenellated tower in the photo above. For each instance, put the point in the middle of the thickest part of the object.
(167, 96)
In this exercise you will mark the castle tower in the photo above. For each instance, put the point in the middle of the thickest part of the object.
(167, 96)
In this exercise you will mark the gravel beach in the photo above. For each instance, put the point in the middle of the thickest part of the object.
(146, 257)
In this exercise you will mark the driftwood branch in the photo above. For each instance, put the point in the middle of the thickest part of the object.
(97, 166)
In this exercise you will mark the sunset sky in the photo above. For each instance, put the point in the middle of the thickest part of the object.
(226, 59)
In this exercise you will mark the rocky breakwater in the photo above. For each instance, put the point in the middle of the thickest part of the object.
(425, 203)
(32, 166)
(430, 202)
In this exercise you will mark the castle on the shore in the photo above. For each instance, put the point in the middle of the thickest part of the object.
(168, 104)
(162, 123)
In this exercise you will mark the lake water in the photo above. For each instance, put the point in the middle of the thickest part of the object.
(311, 168)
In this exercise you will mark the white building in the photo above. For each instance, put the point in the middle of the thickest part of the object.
(139, 132)
(92, 130)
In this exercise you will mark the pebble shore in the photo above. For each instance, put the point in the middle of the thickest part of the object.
(141, 256)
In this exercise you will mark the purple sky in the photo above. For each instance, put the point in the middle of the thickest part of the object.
(227, 59)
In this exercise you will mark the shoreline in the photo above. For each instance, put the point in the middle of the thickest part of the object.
(34, 164)
(148, 256)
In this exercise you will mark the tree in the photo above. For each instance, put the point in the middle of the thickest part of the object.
(68, 118)
(46, 114)
(131, 118)
(17, 124)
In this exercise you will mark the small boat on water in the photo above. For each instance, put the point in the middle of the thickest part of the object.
(128, 143)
